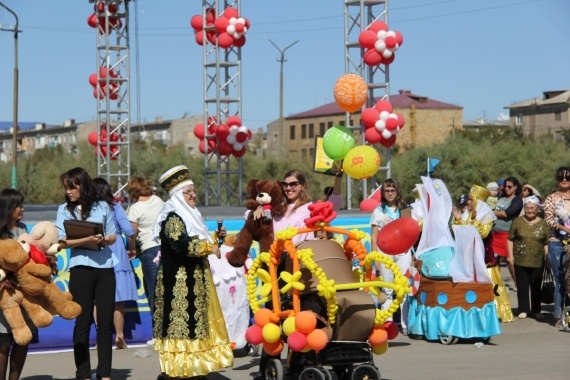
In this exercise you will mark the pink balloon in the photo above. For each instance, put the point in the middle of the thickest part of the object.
(199, 131)
(225, 40)
(377, 26)
(372, 57)
(197, 22)
(222, 131)
(92, 138)
(368, 204)
(367, 39)
(297, 341)
(398, 236)
(239, 42)
(383, 105)
(369, 117)
(399, 38)
(221, 24)
(372, 136)
(253, 334)
(230, 12)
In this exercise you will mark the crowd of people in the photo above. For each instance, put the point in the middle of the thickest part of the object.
(173, 243)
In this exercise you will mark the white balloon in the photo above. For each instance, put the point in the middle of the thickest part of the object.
(237, 146)
(384, 115)
(393, 116)
(391, 33)
(381, 35)
(231, 29)
(243, 128)
(241, 20)
(395, 131)
(234, 130)
(386, 134)
(231, 139)
(380, 125)
(387, 53)
(236, 36)
(380, 46)
(233, 20)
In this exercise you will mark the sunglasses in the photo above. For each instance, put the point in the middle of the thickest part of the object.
(563, 178)
(509, 186)
(290, 184)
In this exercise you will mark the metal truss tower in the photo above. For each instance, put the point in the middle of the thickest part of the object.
(222, 99)
(113, 103)
(358, 15)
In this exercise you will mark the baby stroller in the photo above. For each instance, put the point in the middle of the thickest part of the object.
(329, 320)
(565, 317)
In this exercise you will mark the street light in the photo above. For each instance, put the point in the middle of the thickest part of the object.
(281, 127)
(15, 121)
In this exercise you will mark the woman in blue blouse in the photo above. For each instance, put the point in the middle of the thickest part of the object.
(91, 274)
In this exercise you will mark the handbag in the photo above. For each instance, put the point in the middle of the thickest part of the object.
(547, 287)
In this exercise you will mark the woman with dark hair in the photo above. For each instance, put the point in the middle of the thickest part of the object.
(11, 227)
(91, 273)
(390, 208)
(557, 216)
(508, 207)
(126, 287)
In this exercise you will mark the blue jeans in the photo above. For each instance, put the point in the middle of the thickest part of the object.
(556, 259)
(149, 269)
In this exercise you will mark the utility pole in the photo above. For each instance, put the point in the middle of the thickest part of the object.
(15, 120)
(281, 126)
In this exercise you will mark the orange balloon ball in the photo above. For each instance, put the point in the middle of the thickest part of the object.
(261, 317)
(350, 92)
(317, 339)
(305, 322)
(379, 350)
(378, 337)
(273, 348)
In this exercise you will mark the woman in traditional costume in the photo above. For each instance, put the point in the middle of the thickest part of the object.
(188, 323)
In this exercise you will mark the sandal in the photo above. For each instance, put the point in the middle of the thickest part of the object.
(120, 343)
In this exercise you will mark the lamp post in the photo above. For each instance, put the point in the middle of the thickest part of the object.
(281, 127)
(15, 120)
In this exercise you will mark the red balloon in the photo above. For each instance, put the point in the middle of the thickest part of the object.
(399, 38)
(368, 204)
(210, 15)
(103, 73)
(247, 24)
(249, 134)
(230, 12)
(388, 142)
(202, 146)
(114, 94)
(225, 40)
(372, 57)
(239, 42)
(92, 138)
(224, 148)
(398, 236)
(115, 152)
(199, 37)
(273, 348)
(92, 20)
(401, 120)
(369, 117)
(367, 39)
(383, 105)
(391, 124)
(222, 132)
(389, 60)
(377, 194)
(114, 137)
(390, 42)
(239, 27)
(211, 37)
(221, 24)
(377, 26)
(392, 329)
(253, 334)
(112, 8)
(372, 136)
(297, 341)
(99, 93)
(93, 80)
(233, 120)
(239, 153)
(197, 22)
(241, 137)
(199, 131)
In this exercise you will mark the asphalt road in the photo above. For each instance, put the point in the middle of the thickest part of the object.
(526, 349)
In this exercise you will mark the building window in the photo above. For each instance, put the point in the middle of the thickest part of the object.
(292, 132)
(518, 119)
(311, 130)
(329, 125)
(304, 153)
(321, 129)
(312, 152)
(342, 122)
(557, 116)
(303, 131)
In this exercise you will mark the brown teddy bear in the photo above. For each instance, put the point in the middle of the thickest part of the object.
(34, 278)
(13, 257)
(266, 200)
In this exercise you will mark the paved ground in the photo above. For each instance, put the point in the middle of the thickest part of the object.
(526, 349)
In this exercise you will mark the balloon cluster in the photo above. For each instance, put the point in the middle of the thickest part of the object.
(100, 90)
(226, 30)
(229, 138)
(321, 213)
(380, 336)
(380, 43)
(381, 123)
(100, 142)
(99, 22)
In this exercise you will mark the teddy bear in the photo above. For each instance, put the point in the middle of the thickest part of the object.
(12, 257)
(258, 224)
(35, 277)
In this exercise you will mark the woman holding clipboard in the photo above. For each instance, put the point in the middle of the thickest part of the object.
(91, 273)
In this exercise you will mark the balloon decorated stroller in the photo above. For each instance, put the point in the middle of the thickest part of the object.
(318, 305)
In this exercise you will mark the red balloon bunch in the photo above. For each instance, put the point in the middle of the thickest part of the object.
(381, 124)
(228, 138)
(321, 212)
(380, 43)
(97, 18)
(229, 28)
(100, 142)
(100, 90)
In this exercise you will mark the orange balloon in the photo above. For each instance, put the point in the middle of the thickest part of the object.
(317, 339)
(261, 317)
(273, 348)
(350, 92)
(378, 337)
(305, 322)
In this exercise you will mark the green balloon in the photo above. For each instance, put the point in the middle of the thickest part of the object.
(337, 141)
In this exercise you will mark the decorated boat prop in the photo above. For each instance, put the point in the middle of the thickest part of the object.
(311, 299)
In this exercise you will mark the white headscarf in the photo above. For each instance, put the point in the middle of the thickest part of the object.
(190, 215)
(532, 199)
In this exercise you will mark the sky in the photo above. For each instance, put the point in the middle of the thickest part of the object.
(481, 55)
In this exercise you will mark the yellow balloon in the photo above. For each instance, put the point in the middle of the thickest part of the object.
(271, 333)
(361, 162)
(381, 349)
(289, 326)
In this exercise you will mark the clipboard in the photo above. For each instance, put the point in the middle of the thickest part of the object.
(77, 229)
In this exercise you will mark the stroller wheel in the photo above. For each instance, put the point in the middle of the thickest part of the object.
(565, 319)
(448, 339)
(366, 372)
(274, 370)
(313, 374)
(343, 372)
